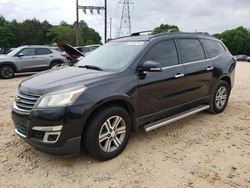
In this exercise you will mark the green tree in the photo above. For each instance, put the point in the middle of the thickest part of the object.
(165, 28)
(237, 40)
(63, 33)
(7, 37)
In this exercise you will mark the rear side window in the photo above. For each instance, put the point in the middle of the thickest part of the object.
(191, 50)
(42, 51)
(164, 53)
(213, 48)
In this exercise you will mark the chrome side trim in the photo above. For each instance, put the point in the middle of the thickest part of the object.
(20, 134)
(161, 123)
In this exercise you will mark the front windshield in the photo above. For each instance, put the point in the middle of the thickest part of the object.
(113, 56)
(14, 52)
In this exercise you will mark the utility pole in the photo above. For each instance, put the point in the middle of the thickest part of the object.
(110, 29)
(105, 21)
(98, 9)
(77, 24)
(125, 25)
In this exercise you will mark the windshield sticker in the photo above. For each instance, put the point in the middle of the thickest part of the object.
(135, 43)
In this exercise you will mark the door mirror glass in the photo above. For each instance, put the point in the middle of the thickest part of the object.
(20, 55)
(151, 66)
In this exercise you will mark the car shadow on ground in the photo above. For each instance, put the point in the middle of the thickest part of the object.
(135, 140)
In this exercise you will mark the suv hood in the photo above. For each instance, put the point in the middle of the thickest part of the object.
(61, 78)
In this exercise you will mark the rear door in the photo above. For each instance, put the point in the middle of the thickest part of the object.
(43, 57)
(160, 91)
(199, 70)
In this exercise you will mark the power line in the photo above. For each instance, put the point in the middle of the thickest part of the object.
(98, 9)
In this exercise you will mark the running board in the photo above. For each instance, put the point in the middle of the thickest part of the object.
(174, 118)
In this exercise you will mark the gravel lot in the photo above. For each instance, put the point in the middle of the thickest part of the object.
(203, 150)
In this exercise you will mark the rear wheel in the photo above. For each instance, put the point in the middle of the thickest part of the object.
(55, 65)
(7, 72)
(107, 133)
(220, 97)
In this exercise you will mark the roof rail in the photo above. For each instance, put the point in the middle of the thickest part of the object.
(151, 31)
(138, 33)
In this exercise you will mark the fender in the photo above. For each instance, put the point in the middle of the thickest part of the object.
(114, 99)
(9, 63)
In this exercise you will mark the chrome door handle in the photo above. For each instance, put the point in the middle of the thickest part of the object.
(210, 68)
(179, 75)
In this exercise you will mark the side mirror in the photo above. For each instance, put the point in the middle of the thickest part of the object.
(20, 55)
(151, 66)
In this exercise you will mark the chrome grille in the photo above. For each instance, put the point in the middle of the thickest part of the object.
(25, 101)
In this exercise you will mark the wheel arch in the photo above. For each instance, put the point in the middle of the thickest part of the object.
(56, 60)
(227, 79)
(10, 64)
(122, 101)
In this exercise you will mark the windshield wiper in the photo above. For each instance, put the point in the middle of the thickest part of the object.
(91, 67)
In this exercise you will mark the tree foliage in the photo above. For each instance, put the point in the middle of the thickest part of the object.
(165, 28)
(34, 32)
(237, 40)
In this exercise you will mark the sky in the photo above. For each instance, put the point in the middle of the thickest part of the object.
(211, 16)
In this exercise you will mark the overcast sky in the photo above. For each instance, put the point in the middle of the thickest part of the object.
(202, 15)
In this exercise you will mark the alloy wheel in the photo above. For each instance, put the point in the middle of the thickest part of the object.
(112, 134)
(7, 72)
(221, 97)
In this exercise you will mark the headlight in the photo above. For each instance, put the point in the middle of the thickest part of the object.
(59, 99)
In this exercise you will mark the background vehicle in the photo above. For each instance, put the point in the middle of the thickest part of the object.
(72, 54)
(29, 59)
(135, 81)
(87, 49)
(241, 57)
(248, 59)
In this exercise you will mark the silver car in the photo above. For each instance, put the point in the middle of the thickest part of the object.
(29, 59)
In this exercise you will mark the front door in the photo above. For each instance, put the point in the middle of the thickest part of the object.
(161, 91)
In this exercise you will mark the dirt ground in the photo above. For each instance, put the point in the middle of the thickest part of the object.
(203, 150)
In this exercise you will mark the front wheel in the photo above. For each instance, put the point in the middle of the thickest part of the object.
(7, 72)
(107, 133)
(220, 97)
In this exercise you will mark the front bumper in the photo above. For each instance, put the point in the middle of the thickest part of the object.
(66, 135)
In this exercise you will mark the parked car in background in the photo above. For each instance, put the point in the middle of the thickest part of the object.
(241, 57)
(248, 59)
(72, 54)
(135, 81)
(29, 59)
(87, 49)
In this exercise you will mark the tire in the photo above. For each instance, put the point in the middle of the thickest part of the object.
(99, 141)
(7, 72)
(55, 64)
(220, 97)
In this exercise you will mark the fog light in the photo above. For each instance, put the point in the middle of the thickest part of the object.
(51, 134)
(51, 137)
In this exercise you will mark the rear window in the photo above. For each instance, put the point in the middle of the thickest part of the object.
(42, 51)
(213, 48)
(191, 50)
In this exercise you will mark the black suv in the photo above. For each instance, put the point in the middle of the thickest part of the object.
(141, 80)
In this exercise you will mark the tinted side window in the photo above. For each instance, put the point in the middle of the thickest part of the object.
(213, 48)
(28, 52)
(42, 51)
(164, 53)
(191, 50)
